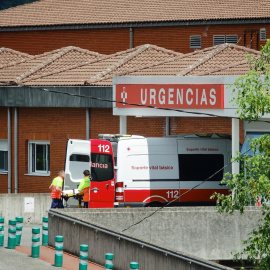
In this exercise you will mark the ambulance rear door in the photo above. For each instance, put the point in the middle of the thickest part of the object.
(77, 160)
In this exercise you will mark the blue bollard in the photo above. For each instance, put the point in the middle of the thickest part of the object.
(19, 227)
(12, 234)
(83, 257)
(35, 242)
(45, 231)
(109, 263)
(2, 236)
(58, 259)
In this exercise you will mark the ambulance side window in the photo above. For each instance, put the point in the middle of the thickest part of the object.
(199, 167)
(80, 158)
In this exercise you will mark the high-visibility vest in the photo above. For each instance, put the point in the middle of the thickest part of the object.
(85, 187)
(57, 181)
(86, 194)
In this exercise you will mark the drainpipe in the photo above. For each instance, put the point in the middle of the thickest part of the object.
(87, 123)
(9, 150)
(131, 37)
(16, 149)
(167, 126)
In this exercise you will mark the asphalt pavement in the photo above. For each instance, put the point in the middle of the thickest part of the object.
(20, 257)
(13, 259)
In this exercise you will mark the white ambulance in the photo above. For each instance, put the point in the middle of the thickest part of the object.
(138, 171)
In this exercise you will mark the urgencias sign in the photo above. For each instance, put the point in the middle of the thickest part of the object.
(184, 96)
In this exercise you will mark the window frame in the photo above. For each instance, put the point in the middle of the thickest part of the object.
(262, 32)
(199, 37)
(231, 37)
(4, 148)
(225, 37)
(218, 36)
(33, 155)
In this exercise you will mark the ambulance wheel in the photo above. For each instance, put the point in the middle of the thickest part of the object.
(154, 204)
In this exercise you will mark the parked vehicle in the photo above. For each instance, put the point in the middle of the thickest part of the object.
(138, 171)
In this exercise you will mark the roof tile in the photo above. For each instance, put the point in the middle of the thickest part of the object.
(63, 12)
(72, 66)
(10, 57)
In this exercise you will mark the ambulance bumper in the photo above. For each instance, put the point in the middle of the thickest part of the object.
(127, 205)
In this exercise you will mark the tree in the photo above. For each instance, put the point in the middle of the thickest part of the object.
(252, 96)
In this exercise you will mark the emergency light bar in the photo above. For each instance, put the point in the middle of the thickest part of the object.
(112, 137)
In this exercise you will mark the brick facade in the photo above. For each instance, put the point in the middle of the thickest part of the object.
(49, 124)
(105, 41)
(111, 40)
(58, 124)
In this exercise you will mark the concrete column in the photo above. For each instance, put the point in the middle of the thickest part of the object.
(235, 144)
(123, 124)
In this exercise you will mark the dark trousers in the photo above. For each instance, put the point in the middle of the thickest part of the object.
(57, 203)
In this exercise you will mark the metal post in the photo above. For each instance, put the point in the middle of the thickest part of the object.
(83, 257)
(235, 144)
(19, 227)
(2, 231)
(35, 242)
(9, 151)
(45, 231)
(167, 126)
(12, 234)
(16, 149)
(109, 263)
(58, 259)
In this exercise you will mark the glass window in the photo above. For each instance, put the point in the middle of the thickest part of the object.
(78, 157)
(39, 157)
(199, 167)
(101, 167)
(3, 156)
(3, 161)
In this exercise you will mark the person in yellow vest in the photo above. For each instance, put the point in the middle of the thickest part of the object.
(56, 190)
(85, 187)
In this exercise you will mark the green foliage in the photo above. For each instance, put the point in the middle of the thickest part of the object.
(252, 96)
(13, 3)
(252, 90)
(251, 183)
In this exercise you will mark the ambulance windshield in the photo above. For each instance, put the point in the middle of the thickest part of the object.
(101, 167)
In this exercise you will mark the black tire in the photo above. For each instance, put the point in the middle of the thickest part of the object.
(154, 204)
